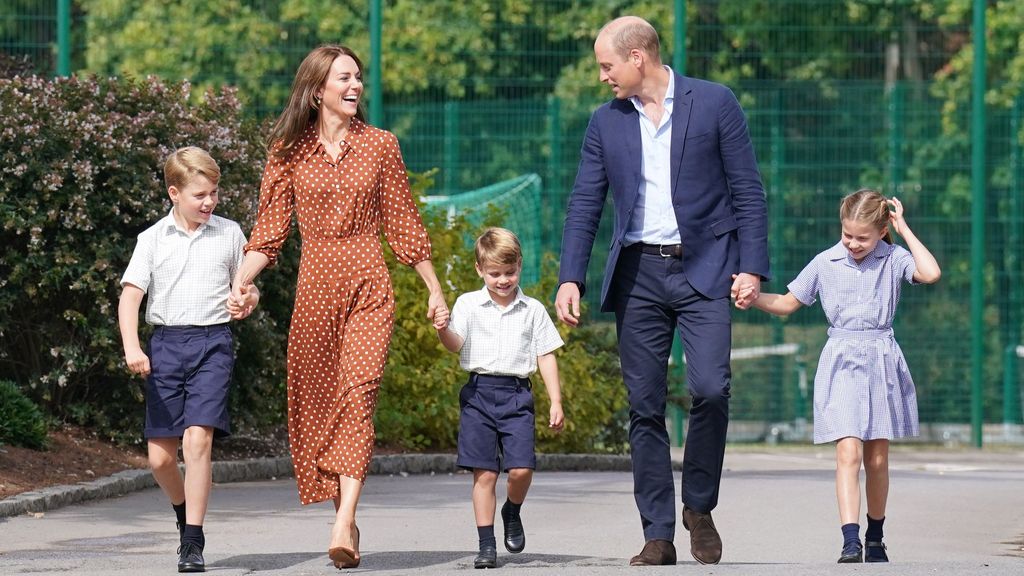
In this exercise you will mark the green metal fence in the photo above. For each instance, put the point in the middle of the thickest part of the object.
(839, 95)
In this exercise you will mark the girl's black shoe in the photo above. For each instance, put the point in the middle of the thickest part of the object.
(487, 558)
(852, 553)
(875, 552)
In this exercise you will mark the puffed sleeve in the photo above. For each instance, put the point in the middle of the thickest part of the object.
(806, 285)
(277, 202)
(402, 225)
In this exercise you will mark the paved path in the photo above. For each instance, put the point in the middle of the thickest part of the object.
(950, 513)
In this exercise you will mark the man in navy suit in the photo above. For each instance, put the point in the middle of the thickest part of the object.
(690, 229)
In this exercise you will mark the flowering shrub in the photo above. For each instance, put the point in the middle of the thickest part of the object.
(81, 161)
(81, 174)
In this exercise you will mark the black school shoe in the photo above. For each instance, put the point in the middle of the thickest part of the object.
(487, 558)
(190, 558)
(515, 537)
(875, 551)
(852, 553)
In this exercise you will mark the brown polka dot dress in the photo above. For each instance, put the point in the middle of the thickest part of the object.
(344, 302)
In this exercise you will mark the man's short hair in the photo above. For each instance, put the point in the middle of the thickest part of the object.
(632, 32)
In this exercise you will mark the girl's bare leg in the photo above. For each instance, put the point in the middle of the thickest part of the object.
(849, 455)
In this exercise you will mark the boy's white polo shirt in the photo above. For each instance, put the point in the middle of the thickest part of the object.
(502, 341)
(187, 276)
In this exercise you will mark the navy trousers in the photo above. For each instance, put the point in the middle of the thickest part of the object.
(652, 298)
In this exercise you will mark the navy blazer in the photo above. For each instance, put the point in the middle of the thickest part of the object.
(717, 192)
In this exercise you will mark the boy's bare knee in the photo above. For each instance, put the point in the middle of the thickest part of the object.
(485, 478)
(520, 474)
(160, 461)
(197, 442)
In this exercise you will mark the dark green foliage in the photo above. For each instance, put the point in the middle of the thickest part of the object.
(419, 401)
(21, 422)
(82, 163)
(82, 175)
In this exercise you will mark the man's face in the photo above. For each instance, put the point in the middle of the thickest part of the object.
(621, 74)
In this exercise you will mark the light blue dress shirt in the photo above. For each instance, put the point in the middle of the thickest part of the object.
(654, 218)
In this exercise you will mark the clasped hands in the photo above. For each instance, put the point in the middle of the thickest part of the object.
(243, 300)
(746, 288)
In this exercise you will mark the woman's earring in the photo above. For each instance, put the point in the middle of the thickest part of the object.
(316, 102)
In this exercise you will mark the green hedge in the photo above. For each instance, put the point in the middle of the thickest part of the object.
(81, 160)
(21, 422)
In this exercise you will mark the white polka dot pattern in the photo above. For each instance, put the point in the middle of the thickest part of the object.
(344, 303)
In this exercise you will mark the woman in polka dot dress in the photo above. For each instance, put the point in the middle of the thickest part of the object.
(347, 183)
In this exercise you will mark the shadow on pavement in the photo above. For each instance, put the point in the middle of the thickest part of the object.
(262, 562)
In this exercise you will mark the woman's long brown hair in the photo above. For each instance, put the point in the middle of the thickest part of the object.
(302, 106)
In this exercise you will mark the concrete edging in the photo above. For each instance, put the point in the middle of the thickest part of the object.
(127, 481)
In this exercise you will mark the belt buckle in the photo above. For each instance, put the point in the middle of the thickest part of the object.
(661, 252)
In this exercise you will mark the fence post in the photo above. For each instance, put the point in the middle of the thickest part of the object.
(1011, 386)
(554, 180)
(679, 66)
(978, 179)
(451, 147)
(776, 211)
(63, 37)
(679, 31)
(897, 121)
(679, 413)
(377, 71)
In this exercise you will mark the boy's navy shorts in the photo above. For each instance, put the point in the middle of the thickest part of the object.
(496, 423)
(190, 373)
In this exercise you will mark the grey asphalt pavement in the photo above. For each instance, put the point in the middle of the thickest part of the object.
(950, 512)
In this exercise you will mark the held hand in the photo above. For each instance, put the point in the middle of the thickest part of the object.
(241, 307)
(899, 224)
(237, 295)
(556, 419)
(437, 310)
(746, 288)
(137, 361)
(567, 303)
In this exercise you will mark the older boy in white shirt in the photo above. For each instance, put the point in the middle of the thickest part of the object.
(185, 262)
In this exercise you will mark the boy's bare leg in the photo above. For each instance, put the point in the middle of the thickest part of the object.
(849, 455)
(484, 482)
(197, 446)
(343, 534)
(519, 480)
(876, 472)
(163, 460)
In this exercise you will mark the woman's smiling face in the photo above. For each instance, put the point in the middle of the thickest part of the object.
(343, 87)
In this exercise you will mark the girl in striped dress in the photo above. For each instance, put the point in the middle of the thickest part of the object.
(863, 393)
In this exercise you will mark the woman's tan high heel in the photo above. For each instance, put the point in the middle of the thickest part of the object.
(344, 557)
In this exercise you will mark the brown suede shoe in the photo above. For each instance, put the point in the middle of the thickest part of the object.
(705, 543)
(655, 553)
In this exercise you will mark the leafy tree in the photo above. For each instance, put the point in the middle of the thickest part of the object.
(211, 44)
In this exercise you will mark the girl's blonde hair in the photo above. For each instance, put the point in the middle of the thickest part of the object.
(302, 107)
(185, 163)
(868, 206)
(498, 246)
